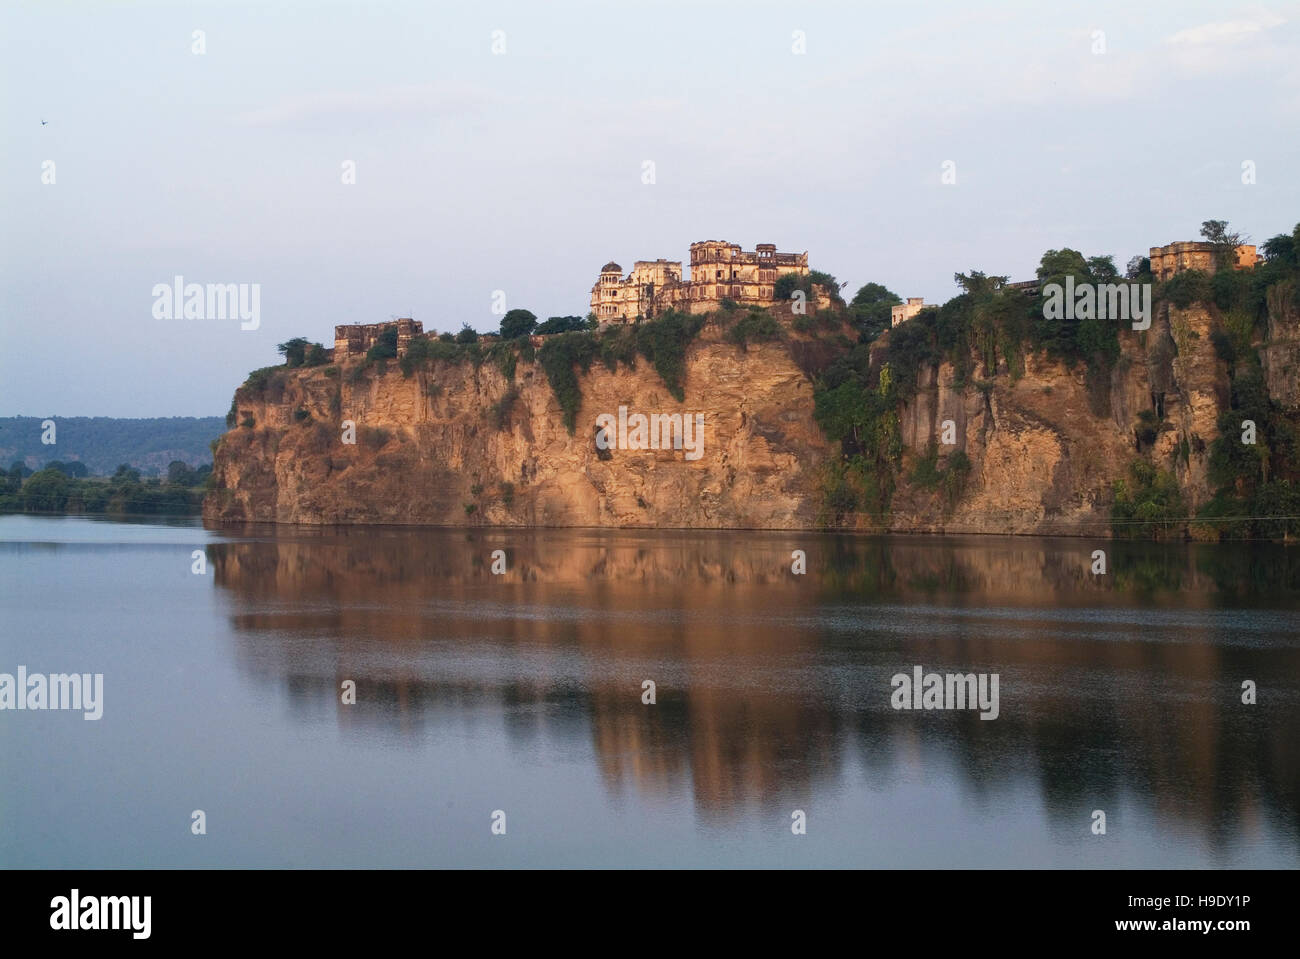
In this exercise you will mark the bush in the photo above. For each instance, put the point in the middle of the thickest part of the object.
(467, 334)
(565, 324)
(1185, 288)
(1151, 505)
(558, 356)
(757, 325)
(664, 343)
(618, 345)
(385, 347)
(259, 380)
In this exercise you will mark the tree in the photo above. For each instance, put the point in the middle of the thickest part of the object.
(978, 284)
(1102, 268)
(1225, 242)
(180, 474)
(74, 469)
(467, 334)
(517, 323)
(1282, 249)
(1137, 266)
(563, 324)
(294, 350)
(871, 310)
(45, 492)
(385, 347)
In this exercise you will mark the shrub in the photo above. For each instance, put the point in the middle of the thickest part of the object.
(756, 325)
(259, 380)
(507, 360)
(1150, 505)
(558, 356)
(385, 347)
(664, 343)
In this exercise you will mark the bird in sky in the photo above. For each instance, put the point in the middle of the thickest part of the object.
(44, 122)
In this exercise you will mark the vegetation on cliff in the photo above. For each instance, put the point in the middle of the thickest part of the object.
(986, 331)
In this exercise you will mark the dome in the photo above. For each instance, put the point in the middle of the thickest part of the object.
(611, 267)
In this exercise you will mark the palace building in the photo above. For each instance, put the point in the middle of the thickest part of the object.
(719, 271)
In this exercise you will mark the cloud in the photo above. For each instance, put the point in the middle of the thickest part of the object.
(1224, 32)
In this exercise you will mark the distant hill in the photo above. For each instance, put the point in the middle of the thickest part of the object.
(105, 442)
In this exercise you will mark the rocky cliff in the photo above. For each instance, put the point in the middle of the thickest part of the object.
(458, 443)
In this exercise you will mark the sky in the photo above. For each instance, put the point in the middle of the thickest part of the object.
(505, 147)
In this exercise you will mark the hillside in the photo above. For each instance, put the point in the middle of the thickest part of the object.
(1074, 428)
(103, 443)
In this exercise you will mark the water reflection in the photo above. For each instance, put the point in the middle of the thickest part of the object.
(1117, 691)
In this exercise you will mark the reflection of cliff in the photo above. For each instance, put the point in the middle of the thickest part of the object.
(771, 686)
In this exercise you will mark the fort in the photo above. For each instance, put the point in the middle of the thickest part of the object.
(1176, 257)
(905, 311)
(722, 271)
(356, 339)
(719, 271)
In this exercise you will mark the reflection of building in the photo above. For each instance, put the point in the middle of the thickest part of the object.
(1176, 257)
(905, 311)
(719, 271)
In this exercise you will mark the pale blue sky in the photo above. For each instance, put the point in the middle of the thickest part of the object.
(523, 171)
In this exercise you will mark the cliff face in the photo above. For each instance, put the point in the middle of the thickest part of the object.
(432, 448)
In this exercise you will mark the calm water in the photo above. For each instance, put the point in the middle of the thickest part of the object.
(522, 693)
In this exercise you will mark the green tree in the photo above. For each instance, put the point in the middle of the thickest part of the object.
(180, 474)
(517, 323)
(294, 351)
(467, 334)
(385, 347)
(46, 492)
(871, 309)
(1225, 242)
